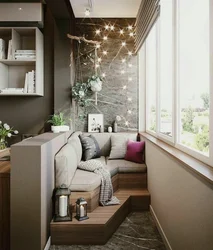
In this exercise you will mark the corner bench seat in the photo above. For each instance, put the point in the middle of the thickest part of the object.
(87, 184)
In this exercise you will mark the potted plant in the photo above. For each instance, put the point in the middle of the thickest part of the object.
(5, 132)
(58, 123)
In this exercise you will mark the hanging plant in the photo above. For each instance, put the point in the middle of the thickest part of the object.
(95, 83)
(81, 93)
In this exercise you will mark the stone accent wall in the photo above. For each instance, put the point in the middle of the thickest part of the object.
(119, 94)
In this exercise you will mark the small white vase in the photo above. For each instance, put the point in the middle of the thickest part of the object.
(58, 129)
(110, 129)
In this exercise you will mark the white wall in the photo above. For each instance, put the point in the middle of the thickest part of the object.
(181, 201)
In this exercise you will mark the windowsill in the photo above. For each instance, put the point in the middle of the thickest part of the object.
(203, 170)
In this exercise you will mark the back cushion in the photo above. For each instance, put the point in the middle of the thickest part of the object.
(66, 163)
(76, 143)
(104, 142)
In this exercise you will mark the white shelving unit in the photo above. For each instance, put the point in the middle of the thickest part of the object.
(13, 71)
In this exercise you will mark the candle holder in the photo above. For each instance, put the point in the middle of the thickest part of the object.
(62, 211)
(81, 209)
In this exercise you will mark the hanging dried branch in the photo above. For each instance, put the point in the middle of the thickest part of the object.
(81, 38)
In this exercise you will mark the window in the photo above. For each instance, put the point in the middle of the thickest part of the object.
(151, 79)
(178, 76)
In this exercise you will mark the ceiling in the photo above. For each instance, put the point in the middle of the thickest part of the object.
(106, 8)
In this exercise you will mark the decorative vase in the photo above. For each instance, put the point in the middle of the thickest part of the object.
(3, 144)
(115, 127)
(110, 129)
(58, 129)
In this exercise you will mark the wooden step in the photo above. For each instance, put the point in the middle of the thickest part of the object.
(102, 222)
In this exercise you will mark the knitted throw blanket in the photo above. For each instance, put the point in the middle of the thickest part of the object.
(106, 192)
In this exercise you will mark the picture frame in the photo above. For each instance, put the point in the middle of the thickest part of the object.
(95, 123)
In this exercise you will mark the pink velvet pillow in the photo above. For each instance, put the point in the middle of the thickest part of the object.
(135, 151)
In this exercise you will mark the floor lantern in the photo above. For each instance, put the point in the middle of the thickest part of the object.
(81, 209)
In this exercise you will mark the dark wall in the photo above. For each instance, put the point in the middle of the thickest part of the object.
(29, 114)
(119, 95)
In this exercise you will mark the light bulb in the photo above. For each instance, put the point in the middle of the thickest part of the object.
(112, 27)
(129, 99)
(122, 71)
(123, 60)
(124, 87)
(97, 66)
(123, 44)
(97, 32)
(105, 38)
(130, 65)
(121, 32)
(104, 75)
(126, 123)
(131, 34)
(99, 59)
(130, 27)
(129, 53)
(87, 12)
(106, 27)
(105, 52)
(129, 111)
(130, 79)
(98, 46)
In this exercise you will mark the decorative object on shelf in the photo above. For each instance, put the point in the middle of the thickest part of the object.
(5, 132)
(95, 122)
(110, 129)
(95, 85)
(115, 124)
(61, 199)
(58, 123)
(81, 209)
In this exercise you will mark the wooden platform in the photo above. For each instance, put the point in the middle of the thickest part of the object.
(102, 222)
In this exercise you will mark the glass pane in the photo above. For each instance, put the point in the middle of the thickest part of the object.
(151, 77)
(194, 74)
(165, 67)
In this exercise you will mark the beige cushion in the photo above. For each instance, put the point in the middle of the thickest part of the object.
(65, 165)
(113, 169)
(76, 143)
(119, 144)
(85, 181)
(126, 166)
(104, 142)
(102, 159)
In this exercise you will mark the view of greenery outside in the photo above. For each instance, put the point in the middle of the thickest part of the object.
(195, 126)
(152, 121)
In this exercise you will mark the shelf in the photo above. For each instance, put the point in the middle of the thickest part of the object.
(18, 62)
(20, 94)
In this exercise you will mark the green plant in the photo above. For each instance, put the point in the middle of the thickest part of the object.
(187, 120)
(57, 119)
(5, 132)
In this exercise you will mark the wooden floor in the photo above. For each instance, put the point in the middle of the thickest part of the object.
(102, 222)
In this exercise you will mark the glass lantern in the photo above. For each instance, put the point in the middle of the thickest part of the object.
(62, 211)
(81, 209)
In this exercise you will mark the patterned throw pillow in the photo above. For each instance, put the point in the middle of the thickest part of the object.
(118, 146)
(90, 147)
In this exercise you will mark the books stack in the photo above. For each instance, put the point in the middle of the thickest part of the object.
(12, 91)
(29, 86)
(25, 54)
(9, 52)
(2, 49)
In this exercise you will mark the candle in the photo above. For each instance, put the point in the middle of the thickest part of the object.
(63, 205)
(81, 211)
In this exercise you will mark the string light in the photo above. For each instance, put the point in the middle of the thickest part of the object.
(122, 71)
(112, 27)
(99, 59)
(130, 27)
(98, 46)
(131, 34)
(104, 75)
(130, 79)
(129, 111)
(123, 44)
(130, 65)
(105, 52)
(129, 99)
(105, 38)
(121, 32)
(126, 123)
(123, 60)
(129, 53)
(87, 12)
(97, 66)
(97, 32)
(124, 87)
(106, 27)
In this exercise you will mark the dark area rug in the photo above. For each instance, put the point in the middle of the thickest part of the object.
(138, 231)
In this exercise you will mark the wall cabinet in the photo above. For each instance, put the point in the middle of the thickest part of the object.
(23, 54)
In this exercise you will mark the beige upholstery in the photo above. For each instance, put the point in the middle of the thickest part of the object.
(65, 165)
(102, 159)
(76, 143)
(85, 181)
(125, 166)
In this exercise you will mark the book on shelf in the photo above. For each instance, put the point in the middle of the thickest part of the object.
(25, 54)
(29, 86)
(9, 52)
(12, 90)
(2, 49)
(24, 51)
